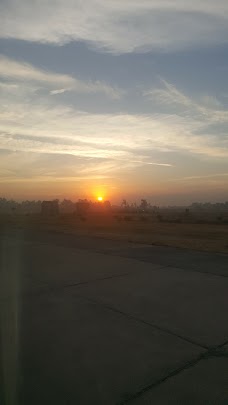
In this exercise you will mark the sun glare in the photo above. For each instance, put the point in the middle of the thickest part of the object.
(100, 198)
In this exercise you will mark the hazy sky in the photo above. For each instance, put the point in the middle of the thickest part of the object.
(123, 98)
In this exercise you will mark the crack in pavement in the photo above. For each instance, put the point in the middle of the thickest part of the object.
(48, 288)
(208, 352)
(212, 352)
(155, 326)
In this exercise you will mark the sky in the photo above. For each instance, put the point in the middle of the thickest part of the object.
(124, 99)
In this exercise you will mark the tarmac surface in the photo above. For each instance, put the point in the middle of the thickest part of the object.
(94, 321)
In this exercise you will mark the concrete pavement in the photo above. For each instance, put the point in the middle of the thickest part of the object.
(92, 321)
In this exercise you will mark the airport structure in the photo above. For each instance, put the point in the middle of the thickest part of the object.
(50, 208)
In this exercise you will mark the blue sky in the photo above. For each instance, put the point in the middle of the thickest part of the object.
(128, 99)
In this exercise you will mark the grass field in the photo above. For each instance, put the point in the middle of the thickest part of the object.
(199, 236)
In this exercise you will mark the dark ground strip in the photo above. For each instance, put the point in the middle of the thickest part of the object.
(138, 254)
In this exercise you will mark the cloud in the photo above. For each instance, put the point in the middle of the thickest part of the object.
(112, 142)
(168, 94)
(209, 176)
(115, 25)
(211, 101)
(45, 167)
(60, 91)
(109, 136)
(207, 109)
(8, 86)
(21, 72)
(216, 180)
(153, 163)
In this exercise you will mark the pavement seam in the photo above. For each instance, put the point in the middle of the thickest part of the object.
(139, 320)
(203, 356)
(59, 288)
(162, 266)
(165, 265)
(149, 387)
(49, 288)
(195, 271)
(155, 326)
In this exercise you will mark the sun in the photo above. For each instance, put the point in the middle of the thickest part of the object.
(100, 199)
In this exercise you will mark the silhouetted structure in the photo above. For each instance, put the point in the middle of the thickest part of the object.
(67, 207)
(82, 206)
(50, 208)
(107, 205)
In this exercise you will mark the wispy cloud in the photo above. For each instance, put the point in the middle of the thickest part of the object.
(60, 91)
(115, 25)
(204, 177)
(112, 143)
(47, 167)
(109, 136)
(22, 72)
(201, 115)
(169, 94)
(207, 106)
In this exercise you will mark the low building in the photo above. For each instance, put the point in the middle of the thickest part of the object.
(49, 208)
(82, 206)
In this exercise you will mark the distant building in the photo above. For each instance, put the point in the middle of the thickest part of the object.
(107, 205)
(49, 208)
(100, 206)
(82, 206)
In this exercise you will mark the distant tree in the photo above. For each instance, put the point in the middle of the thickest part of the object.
(144, 205)
(124, 205)
(67, 206)
(107, 205)
(82, 206)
